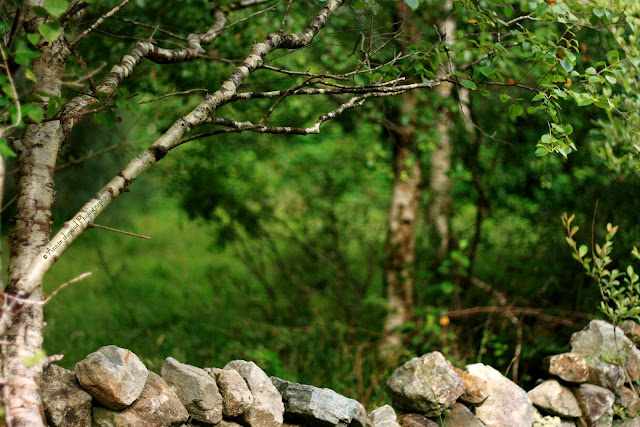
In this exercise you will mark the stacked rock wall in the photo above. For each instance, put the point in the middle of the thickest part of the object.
(592, 385)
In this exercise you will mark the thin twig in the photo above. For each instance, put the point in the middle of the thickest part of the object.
(115, 230)
(100, 20)
(184, 92)
(64, 285)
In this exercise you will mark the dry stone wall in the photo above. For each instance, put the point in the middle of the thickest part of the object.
(595, 384)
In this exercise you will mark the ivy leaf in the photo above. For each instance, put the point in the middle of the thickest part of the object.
(568, 66)
(50, 31)
(413, 4)
(56, 7)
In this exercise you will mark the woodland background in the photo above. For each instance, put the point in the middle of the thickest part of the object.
(271, 247)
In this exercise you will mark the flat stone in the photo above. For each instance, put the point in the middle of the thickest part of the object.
(416, 420)
(570, 367)
(507, 404)
(459, 415)
(196, 389)
(428, 385)
(476, 390)
(313, 406)
(157, 406)
(267, 409)
(598, 340)
(384, 416)
(65, 403)
(596, 403)
(556, 399)
(113, 375)
(236, 397)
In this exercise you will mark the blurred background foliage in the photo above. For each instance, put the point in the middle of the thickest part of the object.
(271, 248)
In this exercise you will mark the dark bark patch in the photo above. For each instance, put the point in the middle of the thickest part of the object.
(127, 183)
(158, 152)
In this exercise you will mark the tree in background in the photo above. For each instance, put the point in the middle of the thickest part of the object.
(50, 82)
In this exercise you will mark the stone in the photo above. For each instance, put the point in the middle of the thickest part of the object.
(598, 340)
(157, 406)
(596, 403)
(459, 415)
(428, 385)
(236, 397)
(195, 388)
(606, 375)
(114, 376)
(626, 398)
(554, 398)
(313, 406)
(507, 404)
(224, 423)
(384, 416)
(416, 420)
(476, 390)
(267, 409)
(633, 422)
(65, 402)
(631, 330)
(570, 367)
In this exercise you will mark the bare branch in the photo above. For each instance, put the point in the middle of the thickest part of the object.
(64, 285)
(99, 21)
(115, 230)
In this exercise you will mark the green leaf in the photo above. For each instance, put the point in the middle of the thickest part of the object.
(413, 4)
(469, 84)
(486, 71)
(541, 152)
(359, 5)
(34, 38)
(24, 54)
(40, 12)
(50, 31)
(591, 71)
(598, 12)
(538, 97)
(515, 110)
(5, 151)
(504, 97)
(568, 66)
(583, 250)
(34, 111)
(29, 74)
(56, 7)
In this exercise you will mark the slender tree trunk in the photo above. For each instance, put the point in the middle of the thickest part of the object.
(37, 154)
(403, 216)
(440, 157)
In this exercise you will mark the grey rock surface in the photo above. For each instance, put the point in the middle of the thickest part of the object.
(507, 404)
(113, 375)
(267, 409)
(606, 375)
(384, 416)
(196, 389)
(427, 385)
(459, 415)
(598, 340)
(313, 406)
(626, 398)
(631, 330)
(65, 403)
(556, 399)
(236, 396)
(570, 367)
(596, 403)
(157, 406)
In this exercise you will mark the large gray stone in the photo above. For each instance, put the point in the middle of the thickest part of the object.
(596, 403)
(236, 396)
(384, 416)
(157, 406)
(428, 385)
(476, 390)
(267, 409)
(65, 403)
(598, 340)
(606, 375)
(312, 406)
(556, 399)
(626, 398)
(507, 404)
(113, 375)
(570, 367)
(196, 389)
(459, 415)
(631, 330)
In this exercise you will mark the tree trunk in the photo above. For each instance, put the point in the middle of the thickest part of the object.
(403, 216)
(440, 157)
(22, 361)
